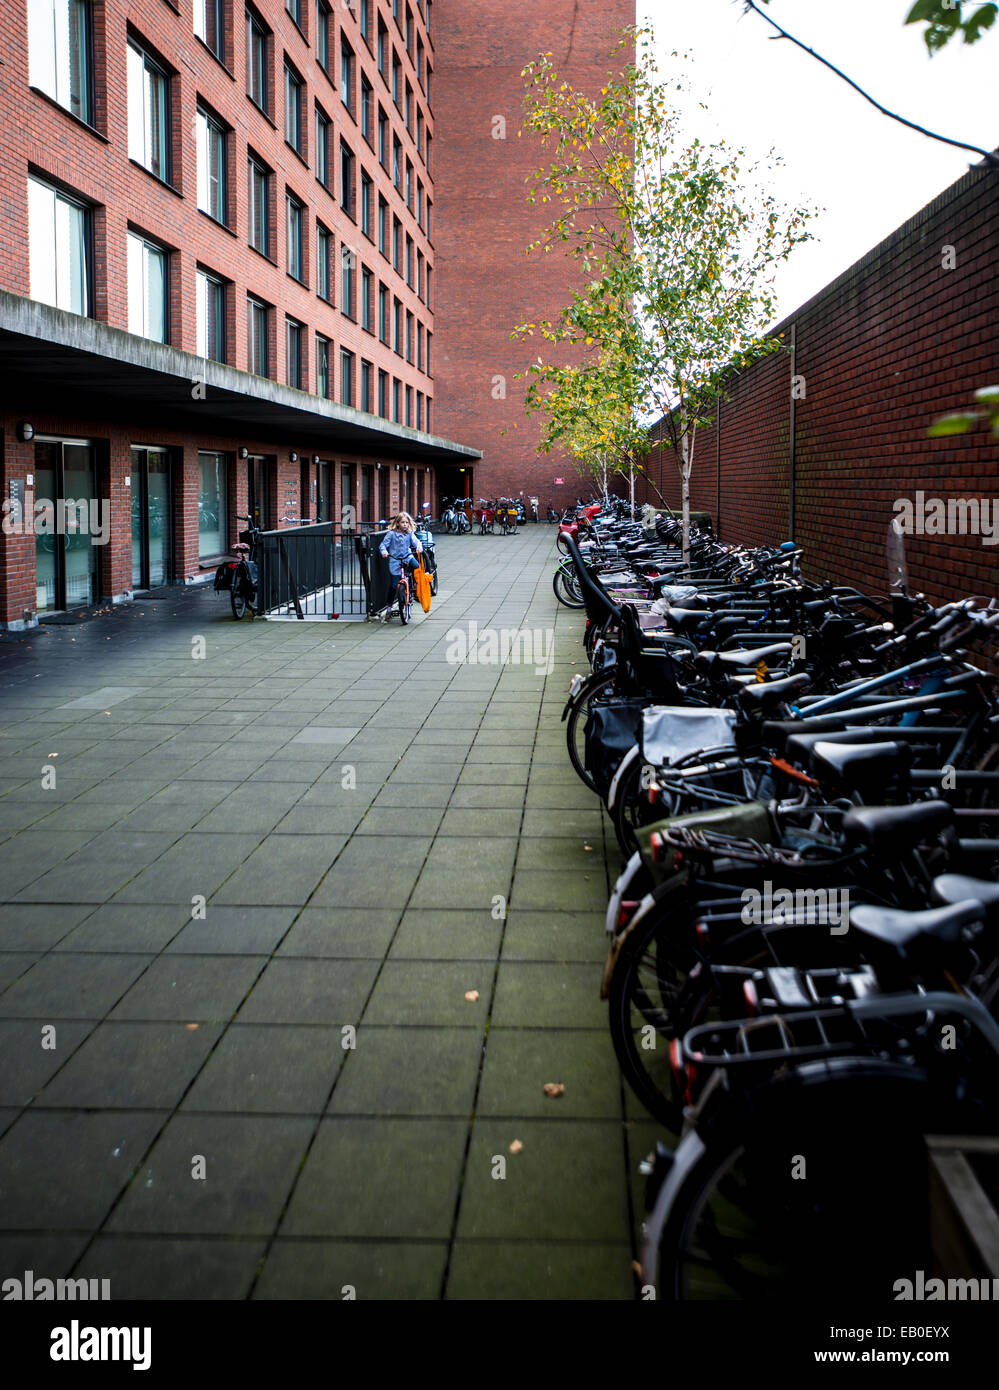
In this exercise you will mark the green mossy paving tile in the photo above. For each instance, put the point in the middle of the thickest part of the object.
(560, 890)
(27, 1064)
(72, 986)
(47, 1256)
(286, 869)
(555, 937)
(533, 995)
(123, 1066)
(565, 1183)
(250, 1164)
(160, 1268)
(442, 934)
(233, 931)
(41, 1191)
(121, 927)
(409, 1071)
(535, 1271)
(301, 990)
(401, 1271)
(270, 1069)
(341, 933)
(36, 926)
(519, 1063)
(189, 989)
(481, 824)
(195, 864)
(431, 993)
(409, 1193)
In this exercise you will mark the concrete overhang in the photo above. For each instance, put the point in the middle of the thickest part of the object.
(51, 360)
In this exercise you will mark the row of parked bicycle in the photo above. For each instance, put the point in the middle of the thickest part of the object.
(804, 940)
(502, 515)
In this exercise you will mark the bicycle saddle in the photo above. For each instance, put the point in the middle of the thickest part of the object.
(903, 930)
(859, 765)
(894, 828)
(742, 657)
(762, 698)
(950, 889)
(686, 619)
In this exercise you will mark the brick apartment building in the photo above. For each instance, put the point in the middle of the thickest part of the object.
(231, 238)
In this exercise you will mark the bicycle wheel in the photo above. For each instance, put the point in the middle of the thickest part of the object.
(575, 731)
(237, 597)
(566, 591)
(817, 1187)
(403, 601)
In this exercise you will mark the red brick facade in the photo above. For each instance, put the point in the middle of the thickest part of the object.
(485, 282)
(905, 335)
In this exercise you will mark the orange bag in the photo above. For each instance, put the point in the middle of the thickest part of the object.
(422, 582)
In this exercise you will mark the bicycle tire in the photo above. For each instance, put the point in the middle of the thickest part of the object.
(576, 721)
(237, 597)
(565, 591)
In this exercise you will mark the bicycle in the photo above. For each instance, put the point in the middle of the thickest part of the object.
(241, 576)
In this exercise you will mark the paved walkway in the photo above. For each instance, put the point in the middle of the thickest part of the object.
(182, 1111)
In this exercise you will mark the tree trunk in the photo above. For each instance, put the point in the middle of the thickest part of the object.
(685, 494)
(631, 488)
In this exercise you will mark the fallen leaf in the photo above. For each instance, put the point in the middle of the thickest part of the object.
(554, 1088)
(472, 995)
(516, 1147)
(191, 1027)
(636, 1268)
(588, 848)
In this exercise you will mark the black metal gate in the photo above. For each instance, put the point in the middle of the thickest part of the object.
(311, 572)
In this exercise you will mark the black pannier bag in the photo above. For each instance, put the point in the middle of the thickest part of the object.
(612, 728)
(224, 574)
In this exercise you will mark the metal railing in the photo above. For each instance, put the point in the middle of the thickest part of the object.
(312, 571)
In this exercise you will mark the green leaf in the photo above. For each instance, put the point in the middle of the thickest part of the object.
(961, 422)
(988, 395)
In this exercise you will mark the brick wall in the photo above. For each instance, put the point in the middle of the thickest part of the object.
(485, 282)
(895, 341)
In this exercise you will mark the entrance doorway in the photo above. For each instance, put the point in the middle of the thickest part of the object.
(455, 482)
(260, 476)
(65, 549)
(152, 531)
(383, 495)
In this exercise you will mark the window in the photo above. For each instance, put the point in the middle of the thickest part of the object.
(409, 185)
(346, 377)
(294, 335)
(382, 226)
(419, 130)
(429, 269)
(147, 289)
(419, 202)
(259, 197)
(365, 19)
(60, 53)
(397, 244)
(211, 166)
(257, 354)
(383, 313)
(367, 299)
(419, 347)
(397, 326)
(294, 89)
(396, 79)
(347, 75)
(429, 373)
(296, 237)
(323, 34)
(324, 252)
(382, 138)
(419, 59)
(409, 261)
(257, 59)
(419, 410)
(397, 162)
(419, 273)
(428, 414)
(409, 405)
(409, 106)
(148, 113)
(59, 249)
(210, 306)
(367, 109)
(348, 262)
(209, 25)
(383, 395)
(324, 127)
(409, 337)
(213, 505)
(346, 180)
(397, 400)
(366, 387)
(324, 381)
(382, 47)
(367, 190)
(409, 30)
(294, 8)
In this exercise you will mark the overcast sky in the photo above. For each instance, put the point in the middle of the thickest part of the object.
(868, 173)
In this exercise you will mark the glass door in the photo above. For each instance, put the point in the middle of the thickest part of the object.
(325, 500)
(260, 472)
(65, 538)
(383, 495)
(366, 472)
(151, 518)
(348, 503)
